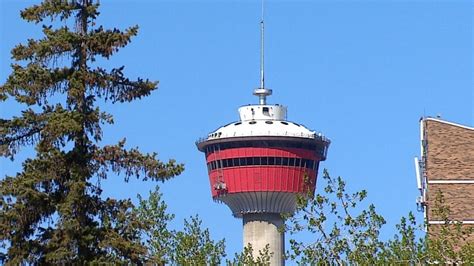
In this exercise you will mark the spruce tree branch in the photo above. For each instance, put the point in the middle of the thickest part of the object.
(116, 87)
(34, 83)
(54, 8)
(107, 42)
(133, 163)
(55, 44)
(52, 127)
(21, 212)
(9, 145)
(63, 41)
(121, 223)
(19, 131)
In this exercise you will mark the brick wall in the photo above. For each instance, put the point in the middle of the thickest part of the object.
(460, 237)
(450, 151)
(459, 198)
(449, 157)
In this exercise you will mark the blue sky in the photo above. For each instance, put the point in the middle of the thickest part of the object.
(361, 72)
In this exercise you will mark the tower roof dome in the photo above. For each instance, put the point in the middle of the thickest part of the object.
(263, 120)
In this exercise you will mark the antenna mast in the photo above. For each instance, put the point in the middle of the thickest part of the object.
(262, 49)
(262, 92)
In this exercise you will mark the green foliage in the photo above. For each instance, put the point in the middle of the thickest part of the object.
(405, 247)
(52, 211)
(152, 214)
(341, 235)
(191, 246)
(443, 242)
(345, 233)
(246, 257)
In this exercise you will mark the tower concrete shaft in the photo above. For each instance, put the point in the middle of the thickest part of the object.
(261, 229)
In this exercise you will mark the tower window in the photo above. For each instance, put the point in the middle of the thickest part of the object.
(266, 111)
(271, 160)
(251, 161)
(291, 162)
(256, 161)
(278, 161)
(297, 162)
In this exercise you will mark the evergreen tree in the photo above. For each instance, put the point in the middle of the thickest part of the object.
(52, 211)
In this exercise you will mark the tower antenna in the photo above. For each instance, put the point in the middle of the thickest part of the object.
(262, 92)
(262, 48)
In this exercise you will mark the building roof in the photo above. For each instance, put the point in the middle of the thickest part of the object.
(447, 122)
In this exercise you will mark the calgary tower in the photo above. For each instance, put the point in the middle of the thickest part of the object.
(258, 166)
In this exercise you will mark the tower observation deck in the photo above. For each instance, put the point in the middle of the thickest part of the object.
(258, 165)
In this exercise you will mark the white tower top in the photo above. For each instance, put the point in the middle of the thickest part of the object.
(262, 112)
